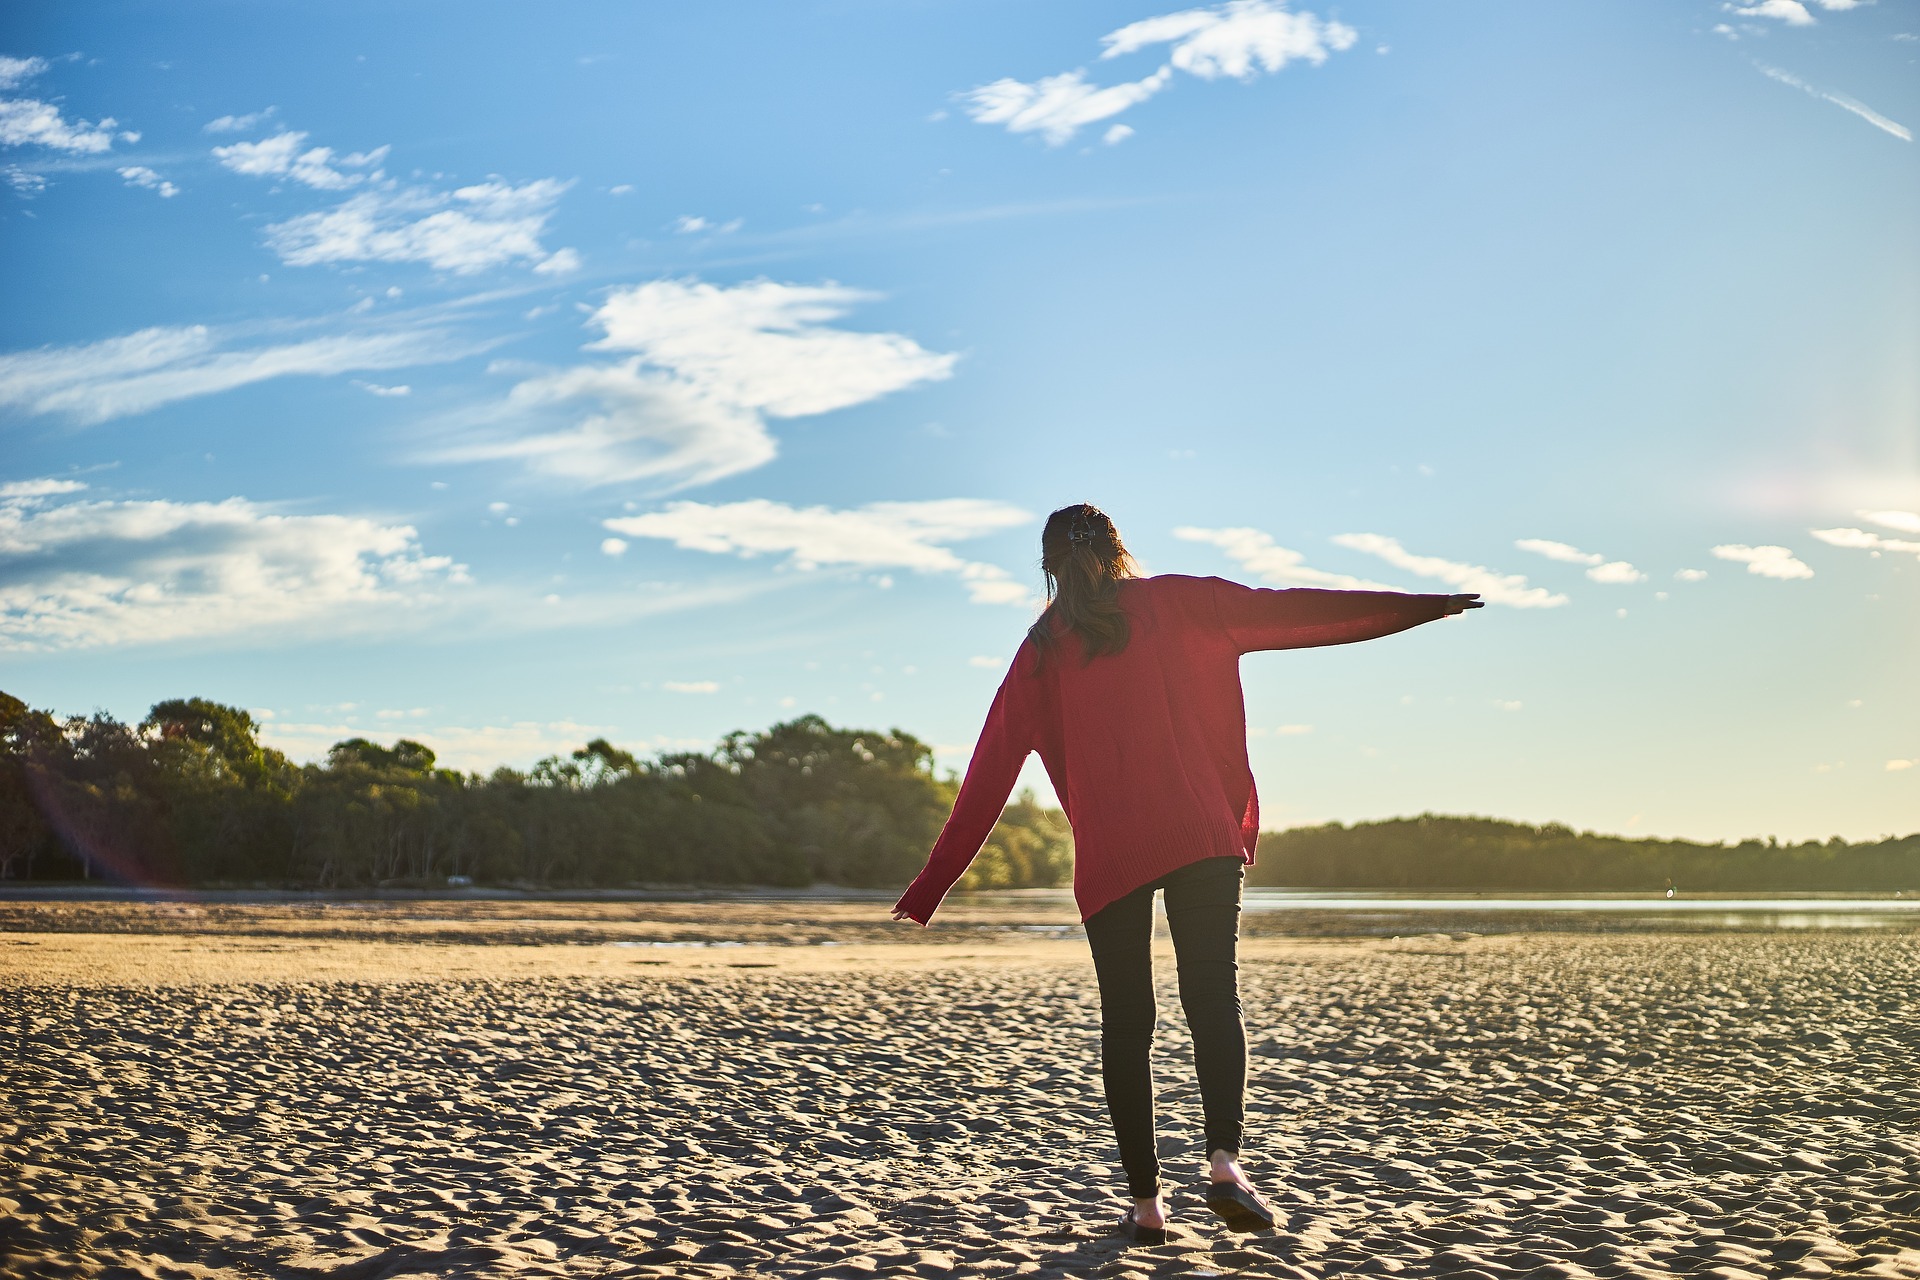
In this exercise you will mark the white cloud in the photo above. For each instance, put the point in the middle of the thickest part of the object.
(30, 122)
(1057, 107)
(85, 574)
(239, 124)
(1904, 521)
(1895, 766)
(1258, 554)
(1496, 588)
(1558, 551)
(616, 424)
(690, 686)
(1238, 39)
(139, 175)
(613, 546)
(1600, 569)
(709, 366)
(23, 181)
(374, 388)
(1791, 12)
(880, 535)
(115, 377)
(1293, 730)
(21, 490)
(1117, 134)
(985, 663)
(1768, 562)
(1840, 100)
(1864, 540)
(764, 345)
(15, 72)
(1506, 704)
(1690, 575)
(470, 229)
(688, 224)
(1616, 573)
(286, 155)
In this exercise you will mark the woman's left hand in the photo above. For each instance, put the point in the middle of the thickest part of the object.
(1462, 603)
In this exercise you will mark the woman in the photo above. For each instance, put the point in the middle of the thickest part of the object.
(1129, 688)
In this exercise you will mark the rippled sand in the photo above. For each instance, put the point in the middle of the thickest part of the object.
(507, 1089)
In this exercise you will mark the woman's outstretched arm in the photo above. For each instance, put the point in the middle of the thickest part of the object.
(997, 757)
(1304, 617)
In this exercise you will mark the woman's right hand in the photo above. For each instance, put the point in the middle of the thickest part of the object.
(1462, 603)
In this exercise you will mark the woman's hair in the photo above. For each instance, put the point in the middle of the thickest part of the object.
(1084, 561)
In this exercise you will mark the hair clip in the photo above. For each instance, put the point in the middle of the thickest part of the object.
(1081, 530)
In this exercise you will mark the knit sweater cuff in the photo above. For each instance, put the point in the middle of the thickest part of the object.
(924, 895)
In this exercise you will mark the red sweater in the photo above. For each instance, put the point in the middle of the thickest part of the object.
(1147, 748)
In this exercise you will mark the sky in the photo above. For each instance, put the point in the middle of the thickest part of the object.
(503, 376)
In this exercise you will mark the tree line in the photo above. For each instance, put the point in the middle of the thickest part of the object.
(189, 796)
(1435, 852)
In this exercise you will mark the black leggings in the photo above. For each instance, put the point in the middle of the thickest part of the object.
(1203, 912)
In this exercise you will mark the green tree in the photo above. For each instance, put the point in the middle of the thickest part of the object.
(857, 806)
(1031, 847)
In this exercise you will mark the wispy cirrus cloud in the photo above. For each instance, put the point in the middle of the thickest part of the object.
(240, 123)
(1509, 589)
(138, 175)
(1765, 561)
(690, 224)
(1261, 556)
(97, 381)
(706, 367)
(286, 155)
(1840, 100)
(1237, 40)
(1057, 107)
(20, 490)
(1599, 568)
(461, 231)
(78, 574)
(879, 535)
(468, 229)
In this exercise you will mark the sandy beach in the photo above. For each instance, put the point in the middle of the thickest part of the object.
(371, 1090)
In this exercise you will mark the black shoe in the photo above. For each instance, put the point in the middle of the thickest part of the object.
(1133, 1231)
(1238, 1207)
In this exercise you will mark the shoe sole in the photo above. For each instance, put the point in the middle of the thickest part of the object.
(1238, 1215)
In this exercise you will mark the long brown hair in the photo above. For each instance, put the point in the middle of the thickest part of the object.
(1084, 562)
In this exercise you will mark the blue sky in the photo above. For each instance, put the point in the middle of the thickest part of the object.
(503, 376)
